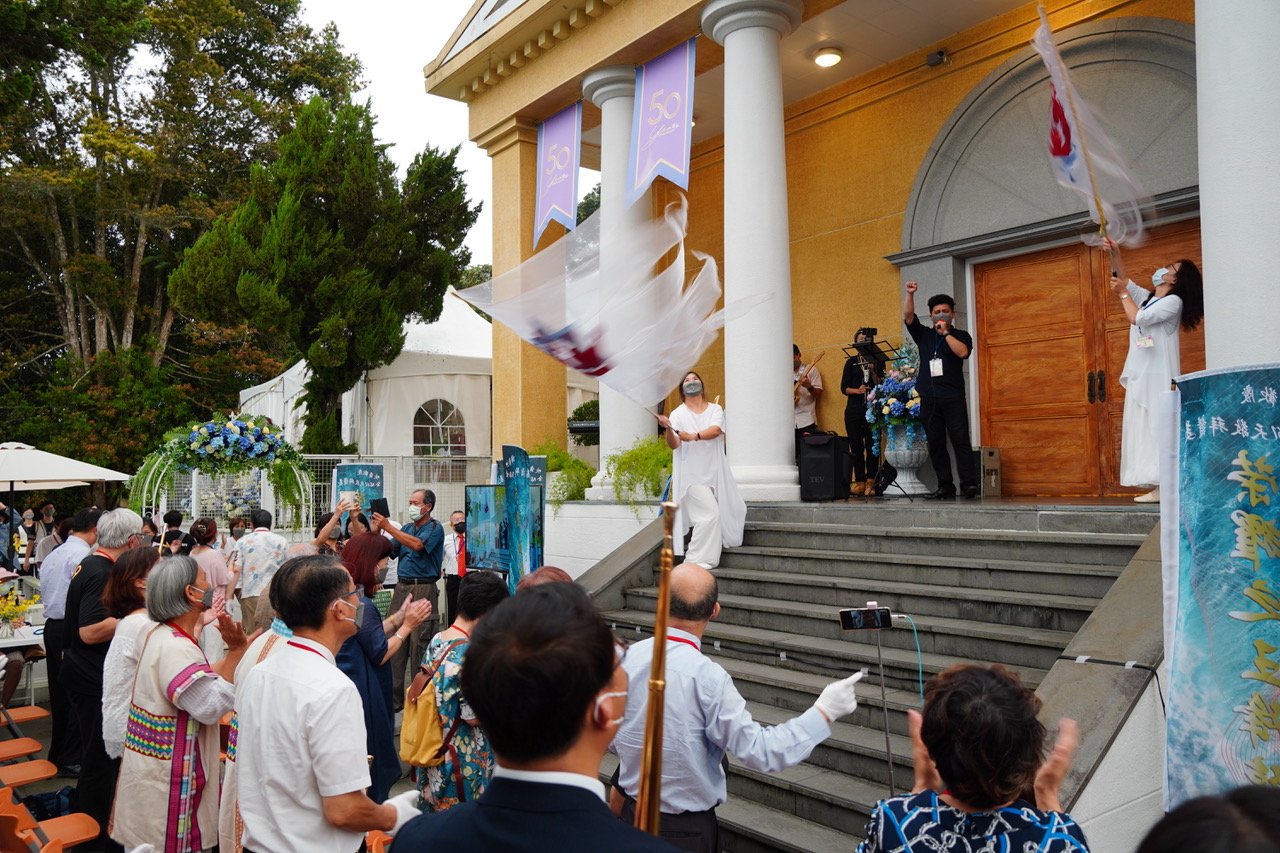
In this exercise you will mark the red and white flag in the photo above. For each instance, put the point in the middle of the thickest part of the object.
(1084, 158)
(615, 303)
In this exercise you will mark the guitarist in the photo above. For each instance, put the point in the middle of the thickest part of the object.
(808, 389)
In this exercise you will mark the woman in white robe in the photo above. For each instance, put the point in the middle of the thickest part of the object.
(702, 483)
(1153, 359)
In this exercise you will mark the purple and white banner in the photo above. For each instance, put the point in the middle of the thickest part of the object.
(559, 155)
(662, 126)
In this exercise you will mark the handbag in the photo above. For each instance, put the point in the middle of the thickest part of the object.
(423, 743)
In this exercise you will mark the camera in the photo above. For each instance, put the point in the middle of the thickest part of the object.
(866, 618)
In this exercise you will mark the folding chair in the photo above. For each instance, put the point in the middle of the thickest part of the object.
(11, 717)
(377, 841)
(20, 831)
(26, 773)
(19, 747)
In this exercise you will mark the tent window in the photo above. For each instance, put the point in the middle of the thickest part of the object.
(438, 430)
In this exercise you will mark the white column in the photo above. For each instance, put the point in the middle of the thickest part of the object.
(612, 89)
(1237, 65)
(757, 254)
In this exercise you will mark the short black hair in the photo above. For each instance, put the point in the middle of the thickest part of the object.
(85, 520)
(696, 611)
(942, 299)
(44, 504)
(479, 592)
(533, 668)
(1244, 820)
(173, 518)
(260, 518)
(304, 587)
(795, 349)
(428, 497)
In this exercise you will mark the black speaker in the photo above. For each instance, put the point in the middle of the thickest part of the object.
(826, 467)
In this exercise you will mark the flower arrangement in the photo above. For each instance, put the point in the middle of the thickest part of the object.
(13, 607)
(219, 447)
(895, 400)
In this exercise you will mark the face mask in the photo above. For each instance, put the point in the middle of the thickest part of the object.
(237, 533)
(28, 518)
(206, 596)
(48, 513)
(943, 316)
(460, 527)
(358, 618)
(692, 389)
(333, 534)
(415, 512)
(1157, 277)
(600, 699)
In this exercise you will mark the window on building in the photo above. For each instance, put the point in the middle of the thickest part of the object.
(438, 430)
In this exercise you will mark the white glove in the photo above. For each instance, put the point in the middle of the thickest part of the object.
(406, 809)
(838, 698)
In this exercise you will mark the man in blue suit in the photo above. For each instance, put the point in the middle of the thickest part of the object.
(544, 676)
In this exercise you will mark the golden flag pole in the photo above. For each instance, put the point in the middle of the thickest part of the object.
(649, 797)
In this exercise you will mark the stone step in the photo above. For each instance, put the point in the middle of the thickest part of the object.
(904, 668)
(945, 570)
(828, 798)
(965, 515)
(749, 826)
(1027, 609)
(1103, 549)
(961, 638)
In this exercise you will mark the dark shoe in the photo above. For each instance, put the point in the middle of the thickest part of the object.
(71, 771)
(940, 495)
(970, 491)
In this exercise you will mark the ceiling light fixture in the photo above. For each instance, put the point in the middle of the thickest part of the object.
(828, 56)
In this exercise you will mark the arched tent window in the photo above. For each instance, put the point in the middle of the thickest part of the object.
(438, 430)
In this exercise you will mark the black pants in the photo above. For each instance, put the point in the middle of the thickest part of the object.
(451, 584)
(865, 463)
(696, 832)
(64, 745)
(98, 771)
(945, 418)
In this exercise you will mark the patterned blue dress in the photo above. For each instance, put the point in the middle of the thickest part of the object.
(471, 758)
(916, 823)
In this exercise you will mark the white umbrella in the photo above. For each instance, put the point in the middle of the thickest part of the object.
(26, 468)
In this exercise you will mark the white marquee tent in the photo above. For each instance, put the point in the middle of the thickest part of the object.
(443, 374)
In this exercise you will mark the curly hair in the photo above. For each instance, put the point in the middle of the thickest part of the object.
(981, 730)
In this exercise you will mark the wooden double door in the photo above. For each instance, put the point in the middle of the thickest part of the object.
(1052, 341)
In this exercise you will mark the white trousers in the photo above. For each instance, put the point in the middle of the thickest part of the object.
(703, 512)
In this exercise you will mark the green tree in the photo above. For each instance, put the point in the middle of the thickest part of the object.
(330, 251)
(129, 125)
(590, 204)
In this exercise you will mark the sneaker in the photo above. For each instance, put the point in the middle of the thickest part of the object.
(1151, 497)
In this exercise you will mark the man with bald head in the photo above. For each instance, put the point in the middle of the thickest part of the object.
(706, 717)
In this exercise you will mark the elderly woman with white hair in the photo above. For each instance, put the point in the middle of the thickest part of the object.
(169, 773)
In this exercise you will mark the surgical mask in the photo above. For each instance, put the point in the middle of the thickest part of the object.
(943, 316)
(692, 389)
(333, 534)
(358, 618)
(237, 533)
(460, 527)
(48, 513)
(1157, 277)
(206, 596)
(600, 699)
(28, 518)
(415, 512)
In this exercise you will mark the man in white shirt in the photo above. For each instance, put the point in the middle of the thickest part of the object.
(704, 718)
(454, 541)
(300, 745)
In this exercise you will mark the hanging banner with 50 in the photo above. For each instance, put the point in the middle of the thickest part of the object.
(559, 153)
(662, 126)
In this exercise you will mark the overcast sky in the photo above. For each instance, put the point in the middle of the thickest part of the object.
(395, 39)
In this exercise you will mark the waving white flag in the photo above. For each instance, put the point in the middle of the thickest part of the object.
(1084, 158)
(640, 330)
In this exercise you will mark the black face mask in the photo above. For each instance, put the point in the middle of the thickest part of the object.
(460, 527)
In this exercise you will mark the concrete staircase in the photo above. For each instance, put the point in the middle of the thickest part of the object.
(993, 582)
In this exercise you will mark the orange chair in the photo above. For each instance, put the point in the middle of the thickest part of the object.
(19, 747)
(20, 831)
(32, 842)
(27, 772)
(377, 841)
(11, 717)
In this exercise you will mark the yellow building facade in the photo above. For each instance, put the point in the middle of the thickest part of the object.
(921, 160)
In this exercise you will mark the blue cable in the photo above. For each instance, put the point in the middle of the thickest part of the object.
(919, 657)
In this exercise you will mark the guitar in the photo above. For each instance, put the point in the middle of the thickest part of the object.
(795, 391)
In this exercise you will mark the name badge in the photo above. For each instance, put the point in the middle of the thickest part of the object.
(935, 367)
(1145, 342)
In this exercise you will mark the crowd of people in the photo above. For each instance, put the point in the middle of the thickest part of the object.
(190, 730)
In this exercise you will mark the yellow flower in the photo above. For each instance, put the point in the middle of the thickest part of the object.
(235, 430)
(195, 445)
(885, 410)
